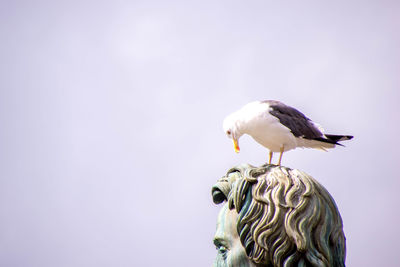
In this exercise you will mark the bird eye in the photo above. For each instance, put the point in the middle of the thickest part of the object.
(228, 132)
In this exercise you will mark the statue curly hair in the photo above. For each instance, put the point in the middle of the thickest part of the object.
(285, 217)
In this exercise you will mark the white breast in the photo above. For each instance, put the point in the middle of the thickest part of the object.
(265, 128)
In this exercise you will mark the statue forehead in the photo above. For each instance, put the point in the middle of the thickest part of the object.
(227, 224)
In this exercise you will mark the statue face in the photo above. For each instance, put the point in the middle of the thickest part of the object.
(230, 251)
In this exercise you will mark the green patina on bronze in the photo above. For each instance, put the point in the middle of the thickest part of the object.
(276, 216)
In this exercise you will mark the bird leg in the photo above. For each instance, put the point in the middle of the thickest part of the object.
(270, 156)
(280, 155)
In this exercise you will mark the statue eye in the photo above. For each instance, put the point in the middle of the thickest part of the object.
(221, 248)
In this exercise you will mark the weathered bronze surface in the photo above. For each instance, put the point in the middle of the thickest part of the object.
(276, 216)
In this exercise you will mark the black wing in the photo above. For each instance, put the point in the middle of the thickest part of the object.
(297, 122)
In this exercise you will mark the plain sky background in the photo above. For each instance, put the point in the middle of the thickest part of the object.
(111, 122)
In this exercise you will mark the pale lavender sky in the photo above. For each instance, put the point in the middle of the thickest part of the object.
(111, 122)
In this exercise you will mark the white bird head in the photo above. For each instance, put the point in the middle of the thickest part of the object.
(231, 128)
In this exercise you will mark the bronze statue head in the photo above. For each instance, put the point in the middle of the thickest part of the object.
(275, 216)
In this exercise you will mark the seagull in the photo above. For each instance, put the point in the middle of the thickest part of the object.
(278, 127)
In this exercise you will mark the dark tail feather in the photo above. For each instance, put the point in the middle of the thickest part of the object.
(334, 139)
(338, 138)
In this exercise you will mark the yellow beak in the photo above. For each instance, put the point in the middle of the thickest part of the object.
(236, 145)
